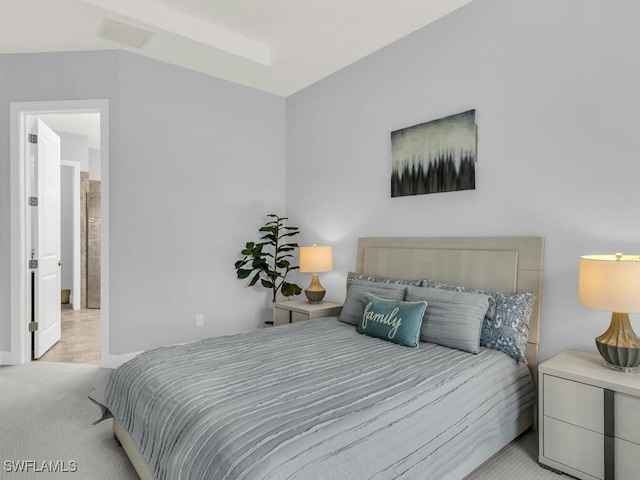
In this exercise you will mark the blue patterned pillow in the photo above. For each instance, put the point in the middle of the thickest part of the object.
(392, 320)
(508, 330)
(351, 276)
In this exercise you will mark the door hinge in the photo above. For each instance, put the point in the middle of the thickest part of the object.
(33, 138)
(33, 201)
(33, 326)
(33, 264)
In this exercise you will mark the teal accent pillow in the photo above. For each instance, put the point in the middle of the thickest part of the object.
(392, 320)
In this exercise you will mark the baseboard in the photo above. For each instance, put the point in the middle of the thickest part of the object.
(114, 361)
(6, 358)
(110, 361)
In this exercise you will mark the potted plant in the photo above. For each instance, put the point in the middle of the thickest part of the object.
(268, 259)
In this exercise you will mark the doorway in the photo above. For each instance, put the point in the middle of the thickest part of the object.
(21, 307)
(80, 225)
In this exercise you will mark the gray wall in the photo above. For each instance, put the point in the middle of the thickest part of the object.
(74, 147)
(199, 164)
(195, 165)
(94, 164)
(555, 86)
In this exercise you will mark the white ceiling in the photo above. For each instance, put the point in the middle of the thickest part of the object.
(279, 46)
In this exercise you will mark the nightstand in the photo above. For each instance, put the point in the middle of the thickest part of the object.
(589, 418)
(292, 311)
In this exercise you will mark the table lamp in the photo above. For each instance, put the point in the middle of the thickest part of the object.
(313, 260)
(612, 283)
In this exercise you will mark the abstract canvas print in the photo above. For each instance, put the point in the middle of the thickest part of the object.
(437, 156)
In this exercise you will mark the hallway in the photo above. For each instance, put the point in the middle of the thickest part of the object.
(80, 341)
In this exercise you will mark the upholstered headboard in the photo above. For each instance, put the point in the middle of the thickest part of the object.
(498, 264)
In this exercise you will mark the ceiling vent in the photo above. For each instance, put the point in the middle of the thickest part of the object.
(124, 33)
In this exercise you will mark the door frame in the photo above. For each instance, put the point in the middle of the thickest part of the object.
(20, 229)
(75, 288)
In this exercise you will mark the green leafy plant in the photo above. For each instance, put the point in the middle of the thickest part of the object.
(269, 259)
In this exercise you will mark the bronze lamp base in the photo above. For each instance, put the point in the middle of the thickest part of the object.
(315, 291)
(619, 345)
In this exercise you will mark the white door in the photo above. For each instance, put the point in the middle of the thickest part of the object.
(46, 239)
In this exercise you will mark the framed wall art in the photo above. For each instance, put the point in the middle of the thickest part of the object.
(436, 156)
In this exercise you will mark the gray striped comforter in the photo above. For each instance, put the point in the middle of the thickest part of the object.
(311, 400)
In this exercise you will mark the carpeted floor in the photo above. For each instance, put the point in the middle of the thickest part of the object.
(518, 460)
(45, 416)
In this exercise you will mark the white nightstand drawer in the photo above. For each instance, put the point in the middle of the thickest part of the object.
(282, 317)
(626, 460)
(562, 398)
(627, 418)
(574, 447)
(576, 388)
(299, 317)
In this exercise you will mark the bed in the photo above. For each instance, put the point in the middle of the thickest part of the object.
(317, 399)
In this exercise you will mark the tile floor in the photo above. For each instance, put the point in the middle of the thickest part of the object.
(80, 341)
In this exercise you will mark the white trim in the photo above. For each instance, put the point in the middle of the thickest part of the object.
(75, 288)
(20, 351)
(18, 233)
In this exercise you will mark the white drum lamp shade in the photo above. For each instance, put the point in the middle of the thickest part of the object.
(612, 283)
